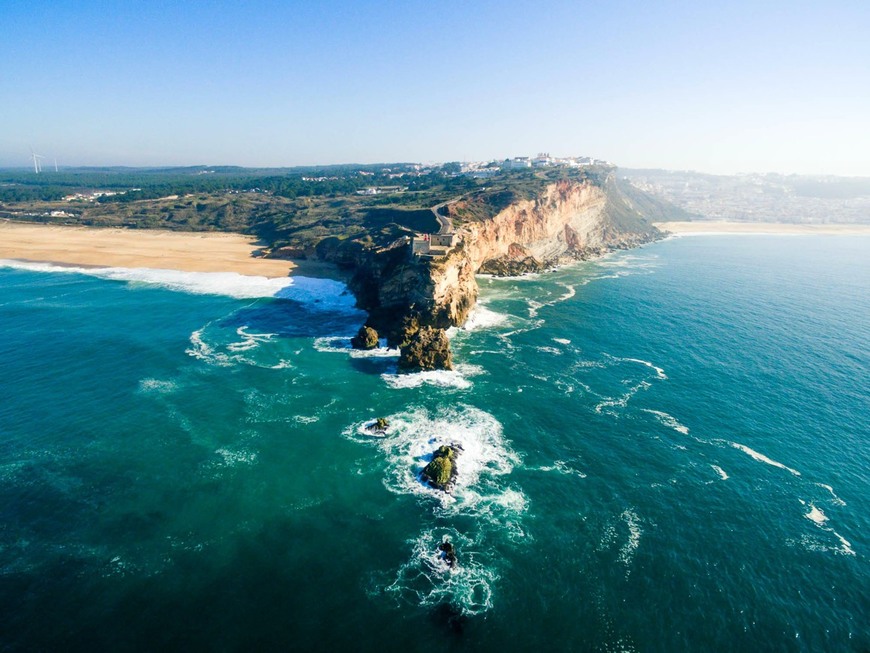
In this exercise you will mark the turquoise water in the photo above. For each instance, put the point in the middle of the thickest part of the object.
(664, 450)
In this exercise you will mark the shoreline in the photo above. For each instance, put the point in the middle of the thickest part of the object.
(113, 247)
(761, 229)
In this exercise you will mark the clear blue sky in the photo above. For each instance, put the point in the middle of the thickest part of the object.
(720, 87)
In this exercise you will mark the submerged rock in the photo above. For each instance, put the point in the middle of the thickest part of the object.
(366, 338)
(441, 471)
(427, 349)
(450, 617)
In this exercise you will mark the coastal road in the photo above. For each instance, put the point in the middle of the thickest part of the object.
(446, 224)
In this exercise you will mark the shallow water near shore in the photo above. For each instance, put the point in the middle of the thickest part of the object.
(665, 449)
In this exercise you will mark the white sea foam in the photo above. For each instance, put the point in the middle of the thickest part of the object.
(456, 378)
(485, 458)
(535, 306)
(721, 472)
(427, 580)
(341, 345)
(762, 458)
(326, 293)
(816, 515)
(380, 352)
(549, 350)
(562, 341)
(820, 519)
(561, 467)
(482, 317)
(249, 340)
(233, 457)
(846, 546)
(157, 386)
(333, 344)
(204, 352)
(570, 291)
(660, 373)
(668, 420)
(622, 401)
(837, 500)
(626, 552)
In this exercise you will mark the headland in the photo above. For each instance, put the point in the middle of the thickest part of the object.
(409, 241)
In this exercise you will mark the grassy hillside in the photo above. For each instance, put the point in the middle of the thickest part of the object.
(297, 210)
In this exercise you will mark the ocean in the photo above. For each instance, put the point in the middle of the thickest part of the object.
(667, 449)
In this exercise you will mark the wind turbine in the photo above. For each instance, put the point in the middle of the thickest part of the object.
(55, 164)
(37, 166)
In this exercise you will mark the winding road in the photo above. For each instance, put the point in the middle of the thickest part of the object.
(446, 224)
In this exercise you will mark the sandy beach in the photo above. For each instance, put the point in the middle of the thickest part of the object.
(700, 228)
(171, 250)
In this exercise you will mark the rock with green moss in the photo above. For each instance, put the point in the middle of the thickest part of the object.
(440, 473)
(379, 426)
(366, 338)
(427, 349)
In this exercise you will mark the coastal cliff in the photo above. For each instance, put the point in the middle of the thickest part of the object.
(412, 299)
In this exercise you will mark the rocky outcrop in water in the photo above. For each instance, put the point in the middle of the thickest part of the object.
(447, 552)
(366, 338)
(426, 349)
(379, 426)
(441, 471)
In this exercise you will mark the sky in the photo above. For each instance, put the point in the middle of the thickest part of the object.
(725, 87)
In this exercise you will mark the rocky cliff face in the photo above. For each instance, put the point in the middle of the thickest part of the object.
(567, 221)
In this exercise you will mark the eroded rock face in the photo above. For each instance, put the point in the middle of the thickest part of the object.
(412, 300)
(510, 267)
(427, 349)
(366, 338)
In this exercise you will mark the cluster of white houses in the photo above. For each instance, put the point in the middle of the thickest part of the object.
(543, 159)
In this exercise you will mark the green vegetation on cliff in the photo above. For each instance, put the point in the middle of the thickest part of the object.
(294, 210)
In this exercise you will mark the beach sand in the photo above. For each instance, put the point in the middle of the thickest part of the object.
(700, 228)
(129, 248)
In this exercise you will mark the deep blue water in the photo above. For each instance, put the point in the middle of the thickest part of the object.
(664, 450)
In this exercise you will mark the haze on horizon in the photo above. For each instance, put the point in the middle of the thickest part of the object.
(780, 86)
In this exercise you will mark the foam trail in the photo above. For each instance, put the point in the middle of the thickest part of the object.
(249, 340)
(668, 420)
(660, 373)
(201, 350)
(561, 467)
(762, 458)
(820, 519)
(721, 472)
(626, 552)
(837, 500)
